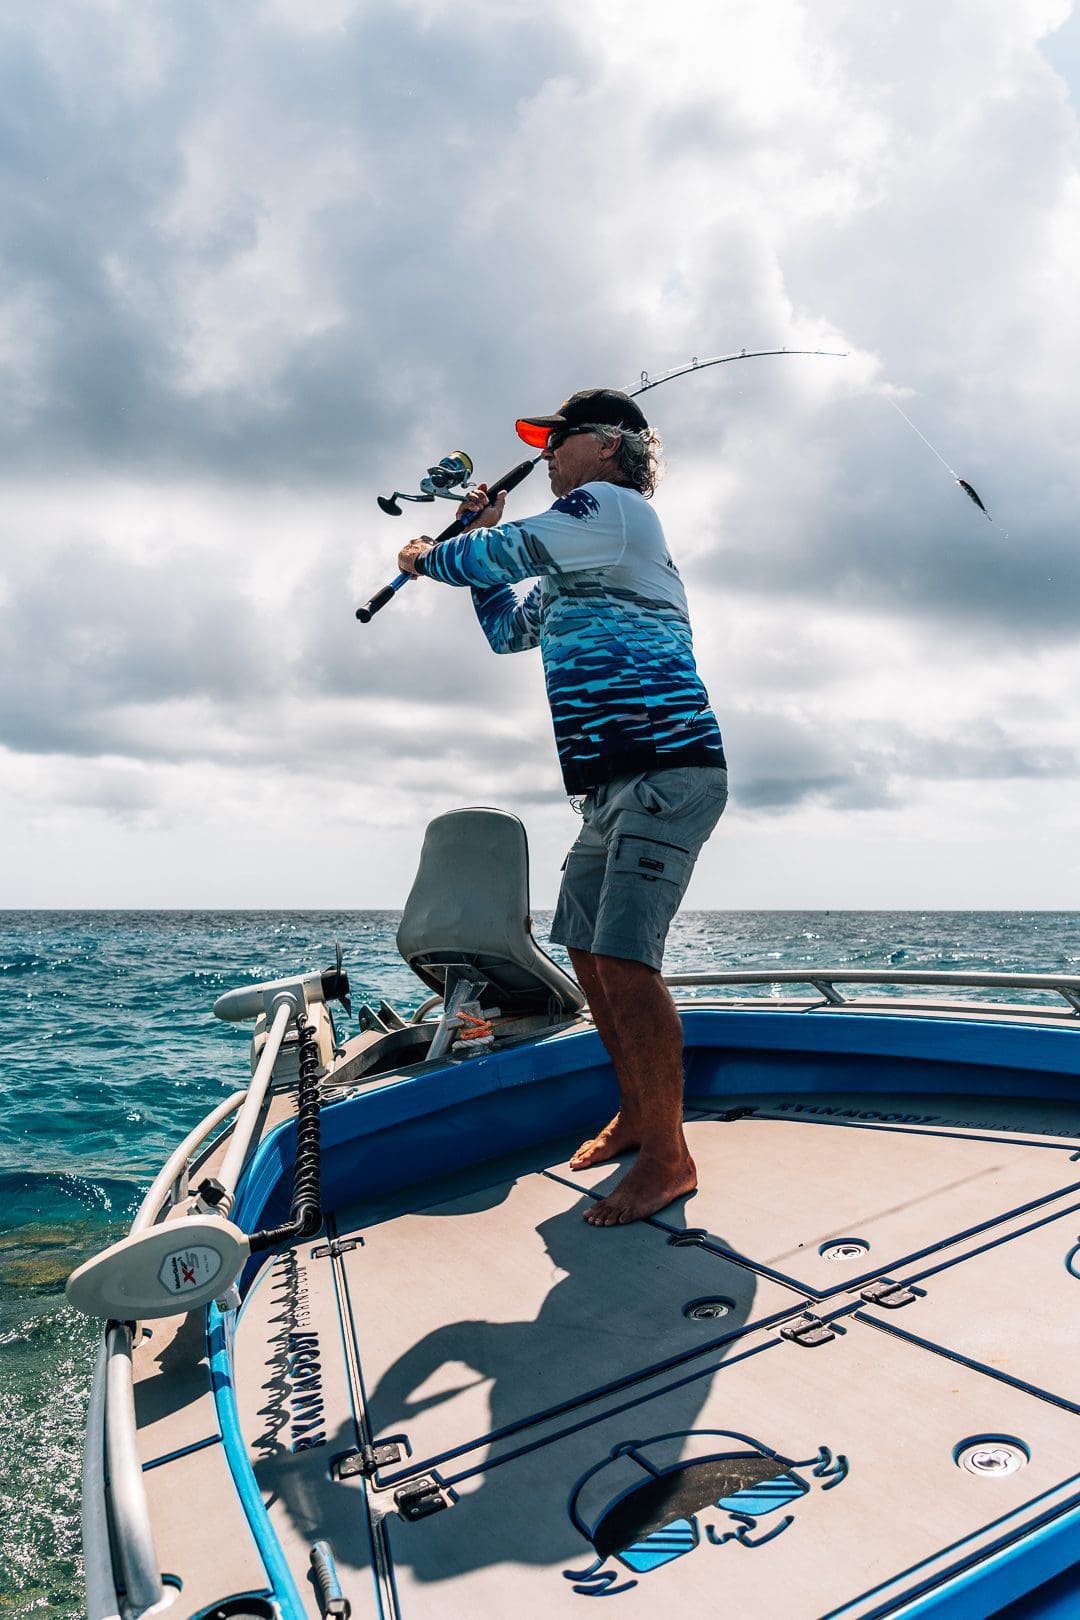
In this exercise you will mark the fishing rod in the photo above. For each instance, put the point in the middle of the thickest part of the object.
(448, 477)
(646, 382)
(507, 482)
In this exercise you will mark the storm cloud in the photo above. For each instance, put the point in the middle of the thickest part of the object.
(261, 264)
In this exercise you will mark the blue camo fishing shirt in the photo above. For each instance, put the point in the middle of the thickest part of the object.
(609, 616)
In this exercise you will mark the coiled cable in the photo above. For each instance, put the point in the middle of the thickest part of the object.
(306, 1211)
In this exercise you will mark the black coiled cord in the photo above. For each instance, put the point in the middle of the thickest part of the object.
(306, 1209)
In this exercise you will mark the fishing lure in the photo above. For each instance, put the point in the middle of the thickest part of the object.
(971, 493)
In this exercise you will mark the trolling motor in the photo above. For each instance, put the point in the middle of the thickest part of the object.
(447, 478)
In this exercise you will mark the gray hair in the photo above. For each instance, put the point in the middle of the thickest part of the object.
(638, 458)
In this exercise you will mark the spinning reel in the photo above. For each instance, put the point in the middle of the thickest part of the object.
(444, 479)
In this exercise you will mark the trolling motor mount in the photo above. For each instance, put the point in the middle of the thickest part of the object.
(446, 478)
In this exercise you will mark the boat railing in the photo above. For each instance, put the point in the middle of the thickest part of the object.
(111, 1426)
(826, 981)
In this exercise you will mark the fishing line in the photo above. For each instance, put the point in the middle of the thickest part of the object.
(924, 439)
(971, 493)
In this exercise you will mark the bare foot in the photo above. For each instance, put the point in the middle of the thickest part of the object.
(649, 1185)
(615, 1138)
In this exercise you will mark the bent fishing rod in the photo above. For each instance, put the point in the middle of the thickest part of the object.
(449, 477)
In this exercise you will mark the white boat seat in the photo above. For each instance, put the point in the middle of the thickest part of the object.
(467, 915)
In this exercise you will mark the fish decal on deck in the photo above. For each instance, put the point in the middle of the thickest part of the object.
(642, 1510)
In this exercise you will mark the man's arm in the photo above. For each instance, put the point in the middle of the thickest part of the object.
(582, 532)
(510, 626)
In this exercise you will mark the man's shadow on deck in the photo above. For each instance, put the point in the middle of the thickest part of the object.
(583, 1342)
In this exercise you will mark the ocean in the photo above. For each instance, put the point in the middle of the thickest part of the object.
(110, 1054)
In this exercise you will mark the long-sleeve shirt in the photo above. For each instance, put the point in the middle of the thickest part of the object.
(610, 618)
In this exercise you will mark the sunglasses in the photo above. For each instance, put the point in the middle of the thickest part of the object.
(559, 436)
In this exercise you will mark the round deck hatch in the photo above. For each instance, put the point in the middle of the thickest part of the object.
(708, 1310)
(844, 1249)
(992, 1457)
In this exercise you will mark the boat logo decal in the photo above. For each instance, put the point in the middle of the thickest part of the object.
(185, 1269)
(293, 1413)
(651, 1502)
(306, 1392)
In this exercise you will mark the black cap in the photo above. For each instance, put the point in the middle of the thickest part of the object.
(591, 407)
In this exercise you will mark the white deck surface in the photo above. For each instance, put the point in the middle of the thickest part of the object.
(540, 1369)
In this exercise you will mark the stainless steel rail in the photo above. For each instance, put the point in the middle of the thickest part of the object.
(135, 1548)
(171, 1179)
(102, 1602)
(285, 1010)
(825, 981)
(111, 1432)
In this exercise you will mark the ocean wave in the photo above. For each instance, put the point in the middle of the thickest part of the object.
(59, 1197)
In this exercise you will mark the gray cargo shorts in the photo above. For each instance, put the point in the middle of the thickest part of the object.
(626, 874)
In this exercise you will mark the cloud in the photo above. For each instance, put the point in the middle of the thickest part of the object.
(257, 267)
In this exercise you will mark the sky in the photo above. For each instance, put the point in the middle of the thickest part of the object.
(262, 262)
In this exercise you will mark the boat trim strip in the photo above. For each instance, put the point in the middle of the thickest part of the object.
(219, 1330)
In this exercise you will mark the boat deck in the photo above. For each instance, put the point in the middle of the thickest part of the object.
(851, 1354)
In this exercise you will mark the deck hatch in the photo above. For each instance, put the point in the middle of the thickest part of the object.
(1009, 1307)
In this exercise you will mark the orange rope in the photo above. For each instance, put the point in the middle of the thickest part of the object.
(478, 1028)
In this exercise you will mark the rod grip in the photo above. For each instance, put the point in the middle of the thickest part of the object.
(366, 613)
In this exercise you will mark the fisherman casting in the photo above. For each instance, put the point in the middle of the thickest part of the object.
(636, 737)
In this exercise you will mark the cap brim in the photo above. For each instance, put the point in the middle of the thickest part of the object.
(535, 429)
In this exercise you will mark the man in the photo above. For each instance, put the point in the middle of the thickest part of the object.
(635, 735)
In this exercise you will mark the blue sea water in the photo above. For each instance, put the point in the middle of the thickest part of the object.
(110, 1054)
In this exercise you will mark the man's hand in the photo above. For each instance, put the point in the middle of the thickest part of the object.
(476, 501)
(408, 554)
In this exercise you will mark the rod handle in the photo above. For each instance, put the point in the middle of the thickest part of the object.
(366, 613)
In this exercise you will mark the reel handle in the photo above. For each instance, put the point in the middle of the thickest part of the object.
(507, 482)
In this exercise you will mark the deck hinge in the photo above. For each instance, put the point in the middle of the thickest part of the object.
(891, 1295)
(366, 1461)
(336, 1246)
(419, 1498)
(807, 1330)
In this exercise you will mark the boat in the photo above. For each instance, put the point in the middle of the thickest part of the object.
(361, 1355)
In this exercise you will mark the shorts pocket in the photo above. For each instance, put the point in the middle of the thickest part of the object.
(649, 859)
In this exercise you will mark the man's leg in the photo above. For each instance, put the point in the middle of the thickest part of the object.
(619, 1135)
(640, 1027)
